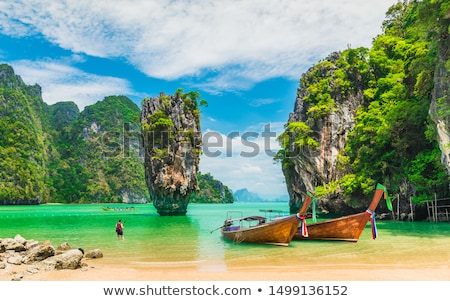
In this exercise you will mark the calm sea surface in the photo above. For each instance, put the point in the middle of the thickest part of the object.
(154, 240)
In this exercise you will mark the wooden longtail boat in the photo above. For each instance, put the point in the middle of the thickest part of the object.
(346, 228)
(118, 208)
(276, 231)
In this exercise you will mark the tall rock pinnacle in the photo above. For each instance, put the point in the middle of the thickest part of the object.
(172, 144)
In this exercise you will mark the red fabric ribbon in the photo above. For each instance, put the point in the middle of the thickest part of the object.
(303, 229)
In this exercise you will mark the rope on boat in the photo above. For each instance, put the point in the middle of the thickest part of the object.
(303, 229)
(372, 223)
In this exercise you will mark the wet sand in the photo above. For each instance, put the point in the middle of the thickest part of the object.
(103, 270)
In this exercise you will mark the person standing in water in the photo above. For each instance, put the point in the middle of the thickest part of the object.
(119, 230)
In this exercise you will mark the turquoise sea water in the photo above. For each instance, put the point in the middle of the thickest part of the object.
(154, 240)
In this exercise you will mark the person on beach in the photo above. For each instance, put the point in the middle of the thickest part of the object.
(119, 230)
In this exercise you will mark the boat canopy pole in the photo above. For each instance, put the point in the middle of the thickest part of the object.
(216, 229)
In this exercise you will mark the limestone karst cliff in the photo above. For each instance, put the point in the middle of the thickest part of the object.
(24, 149)
(171, 144)
(105, 147)
(440, 104)
(211, 190)
(376, 115)
(55, 153)
(312, 145)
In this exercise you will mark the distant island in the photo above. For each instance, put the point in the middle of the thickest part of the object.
(244, 196)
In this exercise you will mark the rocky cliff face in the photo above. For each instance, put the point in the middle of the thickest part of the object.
(172, 144)
(105, 145)
(310, 167)
(57, 154)
(440, 104)
(24, 149)
(361, 117)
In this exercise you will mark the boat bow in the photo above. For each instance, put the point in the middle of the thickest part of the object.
(347, 228)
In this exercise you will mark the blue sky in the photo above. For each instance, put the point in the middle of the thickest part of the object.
(244, 57)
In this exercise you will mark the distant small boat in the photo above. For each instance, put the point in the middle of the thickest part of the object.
(259, 229)
(346, 228)
(118, 208)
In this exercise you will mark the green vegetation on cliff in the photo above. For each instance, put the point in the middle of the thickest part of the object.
(172, 144)
(54, 153)
(211, 190)
(23, 141)
(393, 140)
(100, 159)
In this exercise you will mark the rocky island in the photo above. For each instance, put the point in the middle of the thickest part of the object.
(171, 140)
(375, 115)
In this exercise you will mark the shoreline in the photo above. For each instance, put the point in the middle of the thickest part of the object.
(102, 270)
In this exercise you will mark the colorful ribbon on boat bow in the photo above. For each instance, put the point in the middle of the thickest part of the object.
(303, 229)
(372, 223)
(313, 206)
(386, 197)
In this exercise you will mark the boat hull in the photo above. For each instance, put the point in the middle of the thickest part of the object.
(278, 232)
(347, 228)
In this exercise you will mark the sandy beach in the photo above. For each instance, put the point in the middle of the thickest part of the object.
(103, 270)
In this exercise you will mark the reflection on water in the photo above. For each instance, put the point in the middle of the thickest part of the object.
(187, 240)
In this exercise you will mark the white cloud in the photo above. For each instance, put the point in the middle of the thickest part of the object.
(241, 42)
(262, 101)
(216, 46)
(239, 166)
(258, 174)
(62, 82)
